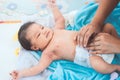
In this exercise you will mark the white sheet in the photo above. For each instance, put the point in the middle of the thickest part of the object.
(26, 60)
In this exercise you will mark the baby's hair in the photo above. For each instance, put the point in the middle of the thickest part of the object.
(25, 43)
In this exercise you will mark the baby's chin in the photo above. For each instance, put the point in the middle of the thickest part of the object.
(52, 34)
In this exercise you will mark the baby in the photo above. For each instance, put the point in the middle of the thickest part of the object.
(57, 44)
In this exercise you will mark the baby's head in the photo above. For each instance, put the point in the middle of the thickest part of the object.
(33, 36)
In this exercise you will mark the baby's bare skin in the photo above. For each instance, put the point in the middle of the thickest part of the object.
(63, 47)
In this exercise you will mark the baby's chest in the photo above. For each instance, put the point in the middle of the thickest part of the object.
(63, 49)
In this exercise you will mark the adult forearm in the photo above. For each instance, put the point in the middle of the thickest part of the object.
(104, 9)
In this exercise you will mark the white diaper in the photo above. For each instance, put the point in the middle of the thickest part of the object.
(82, 57)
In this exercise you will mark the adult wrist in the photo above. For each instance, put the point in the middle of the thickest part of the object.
(96, 24)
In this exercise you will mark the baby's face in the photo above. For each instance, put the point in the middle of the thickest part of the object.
(39, 36)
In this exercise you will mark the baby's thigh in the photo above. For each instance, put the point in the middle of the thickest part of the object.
(101, 66)
(97, 62)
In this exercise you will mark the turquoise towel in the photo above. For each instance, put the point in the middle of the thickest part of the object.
(66, 70)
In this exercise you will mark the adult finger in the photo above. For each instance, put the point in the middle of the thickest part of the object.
(83, 32)
(86, 38)
(91, 45)
(93, 48)
(78, 39)
(94, 43)
(100, 34)
(89, 35)
(75, 37)
(95, 52)
(80, 36)
(97, 38)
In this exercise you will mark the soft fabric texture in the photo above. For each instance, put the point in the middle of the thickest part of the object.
(66, 70)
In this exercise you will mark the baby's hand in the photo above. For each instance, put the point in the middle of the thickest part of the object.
(51, 3)
(15, 75)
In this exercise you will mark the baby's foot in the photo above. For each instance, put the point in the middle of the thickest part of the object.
(114, 76)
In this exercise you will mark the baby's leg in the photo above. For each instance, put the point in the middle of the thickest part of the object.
(108, 28)
(101, 66)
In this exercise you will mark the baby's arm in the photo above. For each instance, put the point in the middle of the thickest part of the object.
(42, 65)
(58, 17)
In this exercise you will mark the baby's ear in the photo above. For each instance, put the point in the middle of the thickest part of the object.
(34, 48)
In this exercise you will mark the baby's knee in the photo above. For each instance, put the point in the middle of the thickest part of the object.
(108, 28)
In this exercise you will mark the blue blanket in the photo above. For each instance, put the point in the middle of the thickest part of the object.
(66, 70)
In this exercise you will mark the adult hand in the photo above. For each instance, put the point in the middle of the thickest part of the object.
(105, 43)
(85, 33)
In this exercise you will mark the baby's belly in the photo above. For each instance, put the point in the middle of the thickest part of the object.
(68, 52)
